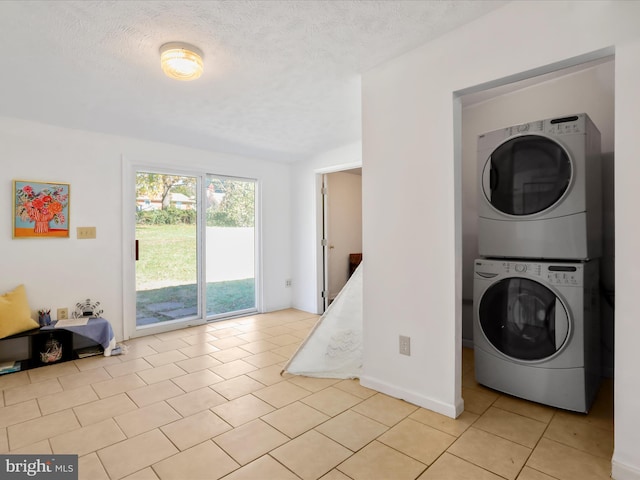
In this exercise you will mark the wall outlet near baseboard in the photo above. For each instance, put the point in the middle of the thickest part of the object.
(405, 345)
(62, 314)
(288, 282)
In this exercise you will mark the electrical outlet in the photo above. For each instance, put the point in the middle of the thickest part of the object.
(85, 233)
(288, 282)
(405, 345)
(62, 314)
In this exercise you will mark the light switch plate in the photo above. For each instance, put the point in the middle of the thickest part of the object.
(86, 233)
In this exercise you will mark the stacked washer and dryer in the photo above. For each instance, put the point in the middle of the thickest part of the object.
(536, 288)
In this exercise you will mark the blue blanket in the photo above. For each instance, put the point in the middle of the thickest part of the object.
(97, 329)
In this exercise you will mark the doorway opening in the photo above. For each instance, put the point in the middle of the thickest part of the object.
(580, 85)
(340, 229)
(194, 243)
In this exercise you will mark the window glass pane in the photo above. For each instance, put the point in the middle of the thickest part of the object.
(230, 245)
(166, 232)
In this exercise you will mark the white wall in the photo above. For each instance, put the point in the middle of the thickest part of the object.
(626, 456)
(413, 235)
(590, 91)
(306, 211)
(61, 272)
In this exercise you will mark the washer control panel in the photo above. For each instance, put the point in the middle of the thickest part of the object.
(559, 274)
(511, 268)
(564, 275)
(520, 268)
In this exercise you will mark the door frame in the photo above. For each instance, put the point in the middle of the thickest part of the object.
(321, 274)
(324, 240)
(257, 257)
(129, 169)
(516, 81)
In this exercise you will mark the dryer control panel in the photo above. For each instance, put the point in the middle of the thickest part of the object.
(565, 125)
(554, 126)
(532, 127)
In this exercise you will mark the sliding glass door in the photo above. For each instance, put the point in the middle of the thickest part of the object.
(195, 248)
(166, 248)
(230, 245)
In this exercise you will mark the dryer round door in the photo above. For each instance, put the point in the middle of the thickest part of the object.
(526, 175)
(523, 319)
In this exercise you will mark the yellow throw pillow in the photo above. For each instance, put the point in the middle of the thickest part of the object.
(15, 314)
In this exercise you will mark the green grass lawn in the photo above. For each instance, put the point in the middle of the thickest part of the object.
(167, 256)
(166, 273)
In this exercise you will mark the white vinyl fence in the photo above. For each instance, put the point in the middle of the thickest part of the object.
(230, 253)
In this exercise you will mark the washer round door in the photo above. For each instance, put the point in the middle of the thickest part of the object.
(526, 175)
(523, 319)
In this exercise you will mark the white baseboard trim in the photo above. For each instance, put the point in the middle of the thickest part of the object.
(450, 410)
(621, 471)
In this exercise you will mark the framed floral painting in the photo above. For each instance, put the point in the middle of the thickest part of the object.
(40, 209)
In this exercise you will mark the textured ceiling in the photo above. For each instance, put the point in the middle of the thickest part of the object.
(281, 81)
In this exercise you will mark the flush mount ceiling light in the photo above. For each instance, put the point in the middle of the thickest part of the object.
(181, 61)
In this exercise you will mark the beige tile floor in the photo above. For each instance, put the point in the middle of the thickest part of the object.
(209, 402)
